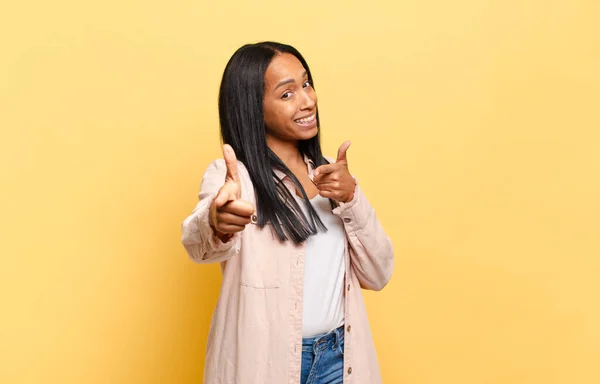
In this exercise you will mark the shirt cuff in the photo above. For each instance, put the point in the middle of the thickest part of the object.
(348, 212)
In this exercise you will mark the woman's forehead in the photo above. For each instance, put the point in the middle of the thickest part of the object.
(283, 66)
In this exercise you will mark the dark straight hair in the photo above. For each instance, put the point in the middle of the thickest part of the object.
(243, 127)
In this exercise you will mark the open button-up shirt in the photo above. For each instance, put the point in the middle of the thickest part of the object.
(256, 331)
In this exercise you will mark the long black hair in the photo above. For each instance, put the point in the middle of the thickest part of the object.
(243, 127)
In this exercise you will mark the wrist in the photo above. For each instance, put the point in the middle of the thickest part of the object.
(351, 196)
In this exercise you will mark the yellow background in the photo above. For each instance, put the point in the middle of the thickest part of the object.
(476, 133)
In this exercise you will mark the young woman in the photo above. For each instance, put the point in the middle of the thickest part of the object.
(295, 236)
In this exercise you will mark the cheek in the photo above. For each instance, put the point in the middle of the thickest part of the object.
(270, 113)
(279, 114)
(275, 117)
(284, 112)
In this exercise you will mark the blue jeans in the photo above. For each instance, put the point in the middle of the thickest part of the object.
(323, 358)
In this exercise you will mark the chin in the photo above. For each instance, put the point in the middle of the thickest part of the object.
(309, 134)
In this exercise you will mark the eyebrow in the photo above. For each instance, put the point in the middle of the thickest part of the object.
(283, 82)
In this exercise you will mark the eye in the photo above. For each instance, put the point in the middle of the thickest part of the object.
(286, 95)
(307, 83)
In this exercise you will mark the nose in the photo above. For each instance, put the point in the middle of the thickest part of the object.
(308, 99)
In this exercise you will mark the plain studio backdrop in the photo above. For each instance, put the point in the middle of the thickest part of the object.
(476, 134)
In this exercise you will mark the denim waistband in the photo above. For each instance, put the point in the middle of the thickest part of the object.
(325, 340)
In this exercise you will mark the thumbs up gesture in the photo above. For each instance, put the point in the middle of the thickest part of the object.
(334, 181)
(228, 213)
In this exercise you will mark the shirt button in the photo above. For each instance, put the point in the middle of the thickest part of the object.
(254, 219)
(350, 370)
(349, 328)
(347, 220)
(348, 286)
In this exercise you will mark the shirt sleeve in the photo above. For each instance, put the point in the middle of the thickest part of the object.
(198, 237)
(371, 253)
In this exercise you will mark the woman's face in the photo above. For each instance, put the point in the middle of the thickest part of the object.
(290, 102)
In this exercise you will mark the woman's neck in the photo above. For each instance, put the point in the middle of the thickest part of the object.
(288, 152)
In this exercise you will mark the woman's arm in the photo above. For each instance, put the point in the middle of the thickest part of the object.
(371, 253)
(198, 237)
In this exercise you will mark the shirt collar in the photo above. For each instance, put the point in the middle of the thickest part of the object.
(311, 169)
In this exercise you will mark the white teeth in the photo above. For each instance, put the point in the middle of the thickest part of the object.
(306, 120)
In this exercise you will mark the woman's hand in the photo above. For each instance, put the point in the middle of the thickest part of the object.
(334, 181)
(228, 212)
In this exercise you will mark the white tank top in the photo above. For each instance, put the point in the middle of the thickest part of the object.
(324, 269)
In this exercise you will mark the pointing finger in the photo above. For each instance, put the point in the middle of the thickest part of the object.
(239, 208)
(325, 169)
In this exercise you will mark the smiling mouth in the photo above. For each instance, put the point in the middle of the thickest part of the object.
(306, 120)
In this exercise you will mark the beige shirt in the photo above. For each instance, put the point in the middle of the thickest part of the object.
(256, 330)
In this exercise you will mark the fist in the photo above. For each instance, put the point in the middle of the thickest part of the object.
(228, 212)
(334, 181)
